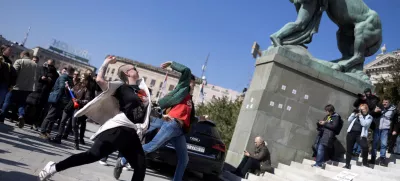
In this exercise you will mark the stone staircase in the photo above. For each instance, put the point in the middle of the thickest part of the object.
(304, 172)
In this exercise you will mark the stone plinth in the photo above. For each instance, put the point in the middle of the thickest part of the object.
(286, 97)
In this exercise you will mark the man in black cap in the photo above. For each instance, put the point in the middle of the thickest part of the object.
(372, 101)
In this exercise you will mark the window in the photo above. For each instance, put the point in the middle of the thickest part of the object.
(112, 71)
(109, 79)
(152, 83)
(206, 128)
(213, 97)
(158, 93)
(116, 79)
(144, 78)
(171, 87)
(161, 84)
(108, 69)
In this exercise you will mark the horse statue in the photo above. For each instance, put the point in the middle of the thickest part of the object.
(359, 34)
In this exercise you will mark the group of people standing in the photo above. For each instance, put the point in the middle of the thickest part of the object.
(41, 95)
(123, 109)
(369, 114)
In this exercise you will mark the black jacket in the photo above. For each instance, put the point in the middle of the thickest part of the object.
(262, 154)
(331, 129)
(372, 102)
(8, 74)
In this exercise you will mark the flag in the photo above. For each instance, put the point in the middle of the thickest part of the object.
(164, 85)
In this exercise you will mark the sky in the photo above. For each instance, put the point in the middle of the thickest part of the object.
(178, 30)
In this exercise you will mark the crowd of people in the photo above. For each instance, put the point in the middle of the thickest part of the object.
(369, 115)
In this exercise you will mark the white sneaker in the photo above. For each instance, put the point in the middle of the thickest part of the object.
(103, 163)
(48, 171)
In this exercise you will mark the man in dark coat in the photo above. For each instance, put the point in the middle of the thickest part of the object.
(331, 126)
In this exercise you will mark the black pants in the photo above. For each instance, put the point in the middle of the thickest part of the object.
(123, 139)
(391, 141)
(73, 124)
(66, 117)
(247, 164)
(53, 113)
(351, 139)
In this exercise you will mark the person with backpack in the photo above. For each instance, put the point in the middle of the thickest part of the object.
(123, 109)
(357, 132)
(179, 112)
(331, 126)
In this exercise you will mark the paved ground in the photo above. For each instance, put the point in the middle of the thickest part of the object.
(23, 154)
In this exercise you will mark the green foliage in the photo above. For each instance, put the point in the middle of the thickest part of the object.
(224, 113)
(389, 87)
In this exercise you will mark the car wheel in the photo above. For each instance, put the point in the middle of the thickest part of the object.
(208, 177)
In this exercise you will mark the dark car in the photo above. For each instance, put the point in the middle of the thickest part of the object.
(205, 149)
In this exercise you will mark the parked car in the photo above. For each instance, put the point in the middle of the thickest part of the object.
(205, 149)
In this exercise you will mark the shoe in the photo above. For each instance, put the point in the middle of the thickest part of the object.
(82, 141)
(48, 171)
(118, 169)
(372, 161)
(366, 165)
(44, 135)
(76, 145)
(35, 128)
(382, 162)
(55, 139)
(347, 167)
(21, 122)
(64, 137)
(103, 163)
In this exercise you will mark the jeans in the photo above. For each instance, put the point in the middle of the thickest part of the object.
(15, 96)
(357, 148)
(382, 136)
(169, 131)
(123, 139)
(247, 164)
(3, 92)
(320, 155)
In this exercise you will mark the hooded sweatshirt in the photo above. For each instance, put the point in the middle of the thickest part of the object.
(386, 117)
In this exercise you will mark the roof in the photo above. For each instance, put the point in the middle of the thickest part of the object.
(75, 61)
(172, 73)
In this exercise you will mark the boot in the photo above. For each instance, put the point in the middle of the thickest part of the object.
(64, 137)
(56, 139)
(76, 144)
(82, 141)
(372, 161)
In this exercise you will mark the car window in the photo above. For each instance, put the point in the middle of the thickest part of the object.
(207, 129)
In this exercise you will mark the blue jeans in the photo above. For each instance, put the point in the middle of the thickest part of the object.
(357, 148)
(382, 136)
(320, 155)
(3, 92)
(170, 131)
(17, 97)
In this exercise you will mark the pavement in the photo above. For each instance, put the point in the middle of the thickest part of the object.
(23, 154)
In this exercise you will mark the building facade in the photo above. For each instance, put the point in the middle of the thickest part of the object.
(380, 67)
(155, 76)
(16, 49)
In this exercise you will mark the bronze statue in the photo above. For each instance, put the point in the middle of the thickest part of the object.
(359, 34)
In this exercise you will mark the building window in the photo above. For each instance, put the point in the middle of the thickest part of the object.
(161, 84)
(171, 87)
(108, 69)
(158, 93)
(109, 79)
(144, 78)
(152, 83)
(213, 97)
(112, 71)
(116, 79)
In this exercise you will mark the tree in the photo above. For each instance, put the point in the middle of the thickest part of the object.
(389, 86)
(224, 113)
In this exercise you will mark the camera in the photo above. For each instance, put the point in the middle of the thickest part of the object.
(356, 111)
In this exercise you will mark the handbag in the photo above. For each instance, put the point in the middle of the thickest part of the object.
(54, 94)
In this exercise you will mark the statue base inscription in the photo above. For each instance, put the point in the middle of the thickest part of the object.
(287, 95)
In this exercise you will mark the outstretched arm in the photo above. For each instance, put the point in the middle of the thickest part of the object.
(102, 71)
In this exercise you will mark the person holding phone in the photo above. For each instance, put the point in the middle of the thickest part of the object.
(357, 132)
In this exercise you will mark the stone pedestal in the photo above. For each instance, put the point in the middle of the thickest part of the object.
(286, 98)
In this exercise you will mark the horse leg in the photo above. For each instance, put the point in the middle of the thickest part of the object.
(345, 43)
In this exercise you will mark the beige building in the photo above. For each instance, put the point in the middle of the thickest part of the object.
(61, 61)
(154, 77)
(379, 68)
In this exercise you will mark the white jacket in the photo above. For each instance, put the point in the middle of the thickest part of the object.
(104, 109)
(365, 123)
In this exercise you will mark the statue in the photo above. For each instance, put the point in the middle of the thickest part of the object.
(359, 34)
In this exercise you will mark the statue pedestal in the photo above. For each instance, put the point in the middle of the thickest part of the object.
(286, 97)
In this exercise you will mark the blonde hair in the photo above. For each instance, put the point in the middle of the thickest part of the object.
(121, 72)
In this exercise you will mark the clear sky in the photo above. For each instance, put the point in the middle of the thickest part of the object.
(181, 30)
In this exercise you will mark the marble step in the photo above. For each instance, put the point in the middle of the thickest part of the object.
(266, 177)
(231, 177)
(309, 176)
(290, 176)
(359, 170)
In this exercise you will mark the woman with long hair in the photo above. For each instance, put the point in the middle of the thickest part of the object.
(357, 132)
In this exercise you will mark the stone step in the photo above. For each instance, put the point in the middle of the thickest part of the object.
(332, 174)
(310, 176)
(289, 175)
(273, 177)
(270, 177)
(358, 169)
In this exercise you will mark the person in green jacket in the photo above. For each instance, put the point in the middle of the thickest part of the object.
(179, 112)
